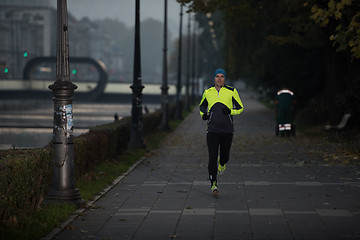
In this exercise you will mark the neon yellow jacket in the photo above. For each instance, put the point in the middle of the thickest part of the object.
(213, 104)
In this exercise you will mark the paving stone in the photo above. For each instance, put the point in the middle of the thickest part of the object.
(270, 226)
(231, 231)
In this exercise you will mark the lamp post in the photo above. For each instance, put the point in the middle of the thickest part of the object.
(193, 62)
(187, 100)
(164, 124)
(178, 110)
(136, 135)
(63, 183)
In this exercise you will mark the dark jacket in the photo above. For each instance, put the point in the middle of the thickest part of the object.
(215, 104)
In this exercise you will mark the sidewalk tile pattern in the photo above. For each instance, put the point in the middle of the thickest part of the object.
(273, 188)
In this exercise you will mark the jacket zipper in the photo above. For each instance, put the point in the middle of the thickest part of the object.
(209, 120)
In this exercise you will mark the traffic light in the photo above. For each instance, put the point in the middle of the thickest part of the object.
(25, 54)
(74, 71)
(6, 70)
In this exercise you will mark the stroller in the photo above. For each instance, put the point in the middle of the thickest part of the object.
(288, 129)
(285, 113)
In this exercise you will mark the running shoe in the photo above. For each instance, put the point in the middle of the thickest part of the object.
(221, 168)
(214, 189)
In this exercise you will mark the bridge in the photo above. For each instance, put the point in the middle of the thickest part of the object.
(90, 75)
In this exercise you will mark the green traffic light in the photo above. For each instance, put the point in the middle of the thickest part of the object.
(25, 54)
(74, 71)
(6, 70)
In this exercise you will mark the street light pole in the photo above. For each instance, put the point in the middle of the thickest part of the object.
(63, 183)
(193, 62)
(164, 124)
(187, 98)
(178, 110)
(136, 135)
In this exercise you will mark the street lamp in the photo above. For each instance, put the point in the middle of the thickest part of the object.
(164, 124)
(212, 31)
(178, 110)
(193, 62)
(136, 135)
(63, 183)
(187, 100)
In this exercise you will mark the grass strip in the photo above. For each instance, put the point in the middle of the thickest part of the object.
(39, 223)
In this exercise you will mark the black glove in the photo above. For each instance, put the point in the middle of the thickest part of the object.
(205, 116)
(226, 111)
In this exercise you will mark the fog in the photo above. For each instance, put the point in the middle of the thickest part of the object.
(124, 10)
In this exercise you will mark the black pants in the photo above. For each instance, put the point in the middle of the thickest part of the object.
(214, 141)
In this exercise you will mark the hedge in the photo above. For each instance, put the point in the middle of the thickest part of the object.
(25, 174)
(24, 177)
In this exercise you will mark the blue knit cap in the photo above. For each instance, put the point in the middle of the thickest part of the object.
(222, 71)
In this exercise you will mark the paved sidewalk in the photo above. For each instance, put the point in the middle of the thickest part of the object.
(273, 188)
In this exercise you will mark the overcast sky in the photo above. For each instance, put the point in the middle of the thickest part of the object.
(124, 10)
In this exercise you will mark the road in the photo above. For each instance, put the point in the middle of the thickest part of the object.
(26, 110)
(28, 123)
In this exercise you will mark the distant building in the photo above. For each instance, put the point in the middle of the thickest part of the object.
(25, 3)
(116, 67)
(28, 30)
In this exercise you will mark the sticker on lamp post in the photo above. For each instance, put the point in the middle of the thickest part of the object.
(69, 119)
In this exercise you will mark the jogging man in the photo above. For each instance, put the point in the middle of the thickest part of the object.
(218, 105)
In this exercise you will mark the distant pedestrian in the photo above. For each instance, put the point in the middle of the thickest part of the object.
(285, 103)
(218, 105)
(146, 109)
